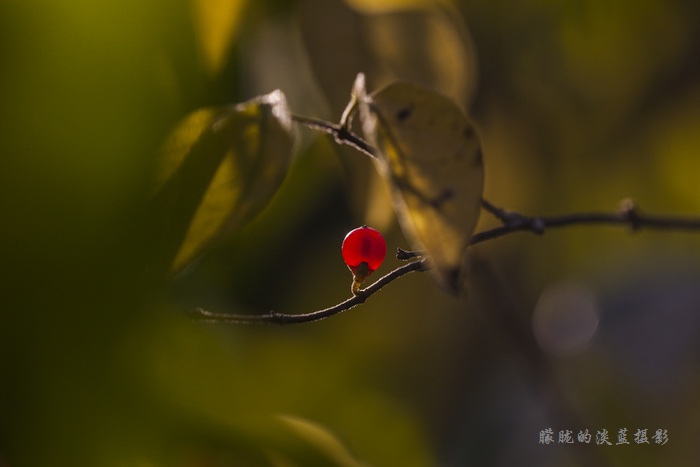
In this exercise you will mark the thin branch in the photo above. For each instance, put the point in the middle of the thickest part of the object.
(280, 318)
(341, 134)
(628, 215)
(503, 215)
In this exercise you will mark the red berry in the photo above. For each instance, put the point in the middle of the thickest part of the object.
(364, 245)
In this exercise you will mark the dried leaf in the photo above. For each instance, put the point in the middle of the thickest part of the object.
(431, 157)
(421, 41)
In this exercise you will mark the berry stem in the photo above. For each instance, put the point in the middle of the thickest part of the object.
(356, 287)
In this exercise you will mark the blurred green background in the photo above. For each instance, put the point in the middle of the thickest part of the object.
(580, 104)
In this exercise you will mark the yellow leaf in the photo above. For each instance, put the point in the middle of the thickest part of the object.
(322, 439)
(221, 167)
(382, 6)
(216, 25)
(430, 155)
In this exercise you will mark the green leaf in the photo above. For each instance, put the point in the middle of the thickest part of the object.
(219, 168)
(430, 154)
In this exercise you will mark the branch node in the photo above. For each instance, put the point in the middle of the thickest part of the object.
(342, 135)
(629, 211)
(507, 218)
(406, 255)
(537, 225)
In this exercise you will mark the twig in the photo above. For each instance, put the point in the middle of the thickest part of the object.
(629, 214)
(405, 255)
(503, 215)
(342, 134)
(280, 318)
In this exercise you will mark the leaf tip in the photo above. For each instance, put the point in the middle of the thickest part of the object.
(359, 89)
(278, 103)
